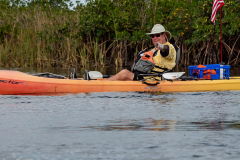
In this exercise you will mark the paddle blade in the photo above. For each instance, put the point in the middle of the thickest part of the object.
(95, 74)
(172, 75)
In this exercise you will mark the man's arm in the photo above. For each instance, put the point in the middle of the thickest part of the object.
(164, 49)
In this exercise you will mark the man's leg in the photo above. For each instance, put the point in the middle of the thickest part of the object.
(123, 75)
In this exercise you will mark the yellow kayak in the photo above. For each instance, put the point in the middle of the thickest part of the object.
(18, 83)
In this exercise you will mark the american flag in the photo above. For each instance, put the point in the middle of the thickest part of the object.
(216, 5)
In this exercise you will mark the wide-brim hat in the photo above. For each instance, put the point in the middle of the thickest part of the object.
(158, 28)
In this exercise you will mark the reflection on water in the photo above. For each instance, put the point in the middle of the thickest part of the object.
(166, 125)
(134, 125)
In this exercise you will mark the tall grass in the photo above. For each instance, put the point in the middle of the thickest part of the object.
(106, 32)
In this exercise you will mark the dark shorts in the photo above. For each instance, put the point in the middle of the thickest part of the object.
(136, 77)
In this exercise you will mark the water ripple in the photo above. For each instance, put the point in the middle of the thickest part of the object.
(126, 125)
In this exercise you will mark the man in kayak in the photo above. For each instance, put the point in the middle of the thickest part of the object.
(164, 57)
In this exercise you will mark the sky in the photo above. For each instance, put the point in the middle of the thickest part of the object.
(75, 4)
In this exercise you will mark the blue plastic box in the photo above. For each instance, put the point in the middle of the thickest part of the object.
(222, 71)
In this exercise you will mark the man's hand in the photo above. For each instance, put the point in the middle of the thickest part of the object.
(160, 46)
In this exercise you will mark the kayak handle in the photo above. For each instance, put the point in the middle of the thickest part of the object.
(151, 84)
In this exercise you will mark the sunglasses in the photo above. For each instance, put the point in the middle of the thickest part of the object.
(157, 35)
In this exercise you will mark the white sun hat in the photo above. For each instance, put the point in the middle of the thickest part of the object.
(158, 28)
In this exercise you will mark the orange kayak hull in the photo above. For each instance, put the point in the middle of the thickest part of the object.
(18, 83)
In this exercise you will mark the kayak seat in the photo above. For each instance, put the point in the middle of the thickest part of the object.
(172, 41)
(177, 56)
(177, 53)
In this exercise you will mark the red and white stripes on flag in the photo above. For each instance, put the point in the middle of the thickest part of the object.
(216, 5)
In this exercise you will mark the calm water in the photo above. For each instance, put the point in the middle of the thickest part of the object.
(121, 126)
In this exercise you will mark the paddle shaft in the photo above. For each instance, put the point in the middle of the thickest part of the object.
(156, 74)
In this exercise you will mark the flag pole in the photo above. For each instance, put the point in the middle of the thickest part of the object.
(221, 32)
(218, 4)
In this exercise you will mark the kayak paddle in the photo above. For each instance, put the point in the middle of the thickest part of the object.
(170, 75)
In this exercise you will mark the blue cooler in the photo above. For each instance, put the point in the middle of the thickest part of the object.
(212, 71)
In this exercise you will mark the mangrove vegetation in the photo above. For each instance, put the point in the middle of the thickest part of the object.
(53, 33)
